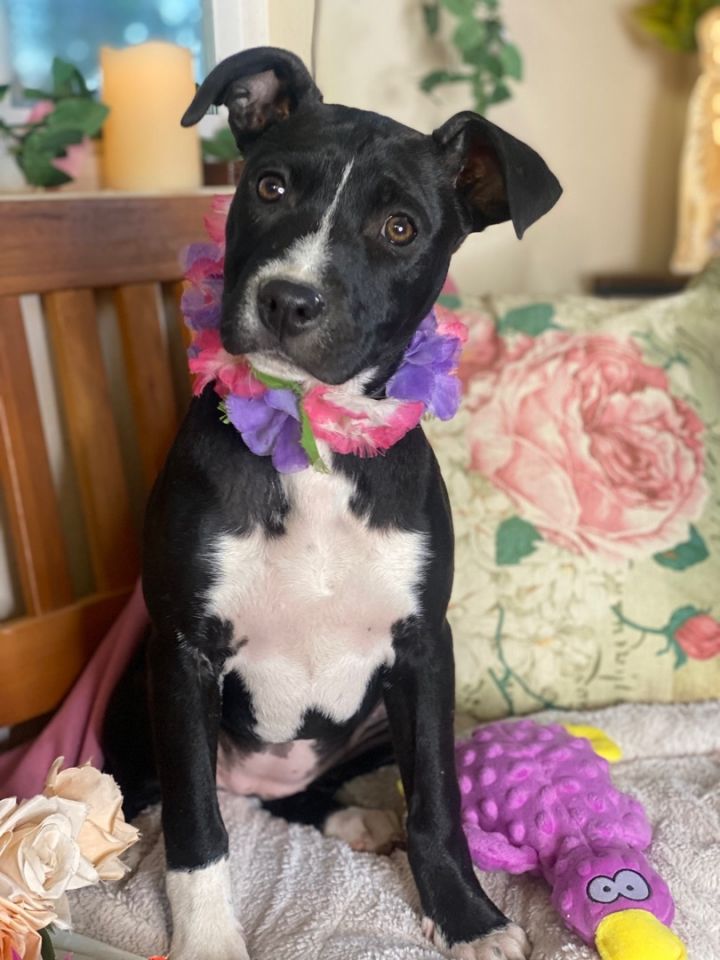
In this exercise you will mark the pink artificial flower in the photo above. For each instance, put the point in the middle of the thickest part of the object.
(41, 110)
(450, 288)
(450, 324)
(358, 424)
(485, 348)
(588, 442)
(210, 361)
(216, 220)
(699, 637)
(76, 159)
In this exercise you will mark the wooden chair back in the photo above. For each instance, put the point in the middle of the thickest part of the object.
(68, 250)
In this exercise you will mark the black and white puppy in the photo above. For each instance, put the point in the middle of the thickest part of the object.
(288, 607)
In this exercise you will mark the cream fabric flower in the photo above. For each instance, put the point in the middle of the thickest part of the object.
(18, 931)
(40, 858)
(104, 836)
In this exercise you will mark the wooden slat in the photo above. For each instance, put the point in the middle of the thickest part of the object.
(65, 242)
(149, 378)
(40, 657)
(25, 474)
(93, 437)
(176, 292)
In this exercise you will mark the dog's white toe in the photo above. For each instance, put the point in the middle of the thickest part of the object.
(507, 943)
(368, 831)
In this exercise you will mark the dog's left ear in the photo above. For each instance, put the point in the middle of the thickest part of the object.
(260, 87)
(497, 177)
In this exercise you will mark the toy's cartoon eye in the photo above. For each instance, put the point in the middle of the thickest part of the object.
(602, 890)
(631, 885)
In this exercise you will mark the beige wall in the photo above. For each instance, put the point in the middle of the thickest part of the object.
(604, 107)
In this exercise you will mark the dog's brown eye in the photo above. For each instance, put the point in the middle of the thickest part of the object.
(399, 230)
(271, 187)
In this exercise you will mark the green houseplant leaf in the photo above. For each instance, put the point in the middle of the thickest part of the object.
(479, 39)
(431, 13)
(78, 113)
(673, 22)
(511, 61)
(221, 146)
(436, 77)
(67, 80)
(460, 8)
(39, 148)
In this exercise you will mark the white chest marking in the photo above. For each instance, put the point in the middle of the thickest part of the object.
(316, 604)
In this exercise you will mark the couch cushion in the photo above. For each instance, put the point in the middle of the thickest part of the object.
(583, 473)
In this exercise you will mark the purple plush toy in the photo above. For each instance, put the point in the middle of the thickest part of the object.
(539, 799)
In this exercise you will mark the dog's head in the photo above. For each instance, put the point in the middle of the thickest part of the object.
(343, 224)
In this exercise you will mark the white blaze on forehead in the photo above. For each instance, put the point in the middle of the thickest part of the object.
(306, 258)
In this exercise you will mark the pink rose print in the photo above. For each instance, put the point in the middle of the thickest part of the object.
(590, 445)
(688, 633)
(699, 637)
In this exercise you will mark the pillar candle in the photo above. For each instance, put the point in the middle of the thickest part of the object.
(148, 88)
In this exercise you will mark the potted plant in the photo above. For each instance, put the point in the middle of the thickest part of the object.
(488, 60)
(221, 159)
(56, 141)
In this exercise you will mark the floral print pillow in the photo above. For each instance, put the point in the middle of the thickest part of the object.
(584, 473)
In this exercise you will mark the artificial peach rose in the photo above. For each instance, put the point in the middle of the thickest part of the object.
(40, 858)
(699, 637)
(19, 939)
(104, 835)
(590, 445)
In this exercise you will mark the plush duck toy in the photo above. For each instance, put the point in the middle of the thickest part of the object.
(539, 799)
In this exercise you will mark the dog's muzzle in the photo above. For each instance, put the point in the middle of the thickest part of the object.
(287, 308)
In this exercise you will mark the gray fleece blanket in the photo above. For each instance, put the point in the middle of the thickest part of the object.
(301, 895)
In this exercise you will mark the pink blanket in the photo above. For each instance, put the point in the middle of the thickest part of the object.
(74, 731)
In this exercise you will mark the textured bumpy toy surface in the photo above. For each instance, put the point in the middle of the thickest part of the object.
(540, 799)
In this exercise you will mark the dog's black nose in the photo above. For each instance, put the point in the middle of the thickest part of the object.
(288, 308)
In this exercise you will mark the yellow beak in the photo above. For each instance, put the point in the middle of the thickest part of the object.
(637, 935)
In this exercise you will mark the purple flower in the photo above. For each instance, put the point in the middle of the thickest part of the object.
(200, 304)
(426, 372)
(270, 425)
(200, 251)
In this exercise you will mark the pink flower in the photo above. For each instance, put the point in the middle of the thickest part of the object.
(450, 288)
(41, 110)
(77, 156)
(208, 361)
(484, 347)
(590, 445)
(356, 424)
(217, 218)
(699, 637)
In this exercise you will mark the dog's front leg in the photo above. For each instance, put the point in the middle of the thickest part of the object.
(186, 693)
(419, 696)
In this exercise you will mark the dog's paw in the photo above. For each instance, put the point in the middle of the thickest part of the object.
(209, 949)
(506, 943)
(367, 831)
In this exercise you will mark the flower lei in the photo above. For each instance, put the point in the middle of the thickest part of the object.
(284, 419)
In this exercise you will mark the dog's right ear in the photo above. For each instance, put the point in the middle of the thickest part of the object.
(260, 87)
